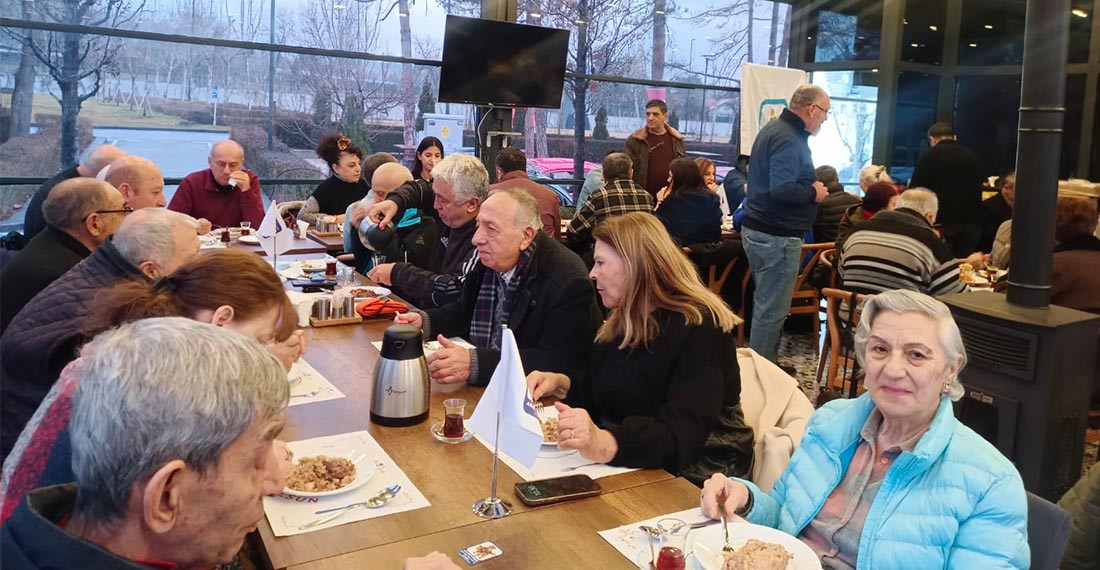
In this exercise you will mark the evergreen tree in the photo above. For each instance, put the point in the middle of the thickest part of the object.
(353, 125)
(322, 108)
(426, 105)
(600, 130)
(674, 120)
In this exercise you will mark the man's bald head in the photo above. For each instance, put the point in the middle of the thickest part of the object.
(87, 209)
(140, 181)
(388, 178)
(100, 156)
(226, 157)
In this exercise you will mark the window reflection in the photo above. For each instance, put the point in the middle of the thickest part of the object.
(918, 95)
(986, 119)
(1071, 139)
(845, 31)
(1080, 28)
(992, 32)
(922, 31)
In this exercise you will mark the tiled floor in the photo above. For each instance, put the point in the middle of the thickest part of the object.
(797, 350)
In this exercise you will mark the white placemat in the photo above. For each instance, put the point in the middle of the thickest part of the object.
(553, 462)
(631, 541)
(287, 512)
(305, 379)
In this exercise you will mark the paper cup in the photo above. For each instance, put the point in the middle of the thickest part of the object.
(305, 308)
(303, 227)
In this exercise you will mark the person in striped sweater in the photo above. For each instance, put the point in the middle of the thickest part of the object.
(899, 250)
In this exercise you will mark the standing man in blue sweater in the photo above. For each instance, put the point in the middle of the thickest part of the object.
(781, 205)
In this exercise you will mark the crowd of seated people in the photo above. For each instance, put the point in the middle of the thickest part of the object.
(136, 339)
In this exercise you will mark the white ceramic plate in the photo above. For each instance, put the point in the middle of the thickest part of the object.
(250, 239)
(707, 545)
(380, 291)
(364, 470)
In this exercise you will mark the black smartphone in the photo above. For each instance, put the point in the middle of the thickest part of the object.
(557, 489)
(313, 285)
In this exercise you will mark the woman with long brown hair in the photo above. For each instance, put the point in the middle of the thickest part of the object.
(663, 388)
(690, 211)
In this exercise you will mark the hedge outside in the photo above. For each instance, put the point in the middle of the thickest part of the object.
(36, 155)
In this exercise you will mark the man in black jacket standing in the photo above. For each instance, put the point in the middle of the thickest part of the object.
(526, 280)
(954, 173)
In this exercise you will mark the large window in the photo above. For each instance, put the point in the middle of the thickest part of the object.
(986, 119)
(992, 32)
(918, 94)
(845, 30)
(923, 31)
(846, 140)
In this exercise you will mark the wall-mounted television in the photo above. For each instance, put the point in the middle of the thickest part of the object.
(488, 62)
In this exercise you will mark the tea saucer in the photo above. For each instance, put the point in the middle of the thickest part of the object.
(437, 432)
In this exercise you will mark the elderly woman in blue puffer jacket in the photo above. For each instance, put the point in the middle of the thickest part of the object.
(891, 479)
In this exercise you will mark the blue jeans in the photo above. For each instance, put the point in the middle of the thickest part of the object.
(774, 263)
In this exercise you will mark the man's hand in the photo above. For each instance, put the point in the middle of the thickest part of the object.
(381, 212)
(548, 384)
(450, 364)
(433, 561)
(204, 226)
(242, 179)
(978, 260)
(410, 318)
(277, 466)
(821, 190)
(382, 273)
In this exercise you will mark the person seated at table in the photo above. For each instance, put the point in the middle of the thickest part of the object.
(619, 195)
(459, 187)
(898, 249)
(689, 211)
(361, 254)
(46, 336)
(345, 187)
(414, 233)
(81, 215)
(877, 197)
(526, 280)
(832, 208)
(512, 173)
(892, 479)
(256, 307)
(662, 388)
(226, 193)
(429, 153)
(173, 424)
(707, 169)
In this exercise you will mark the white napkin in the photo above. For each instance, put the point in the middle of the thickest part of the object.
(305, 379)
(554, 462)
(630, 541)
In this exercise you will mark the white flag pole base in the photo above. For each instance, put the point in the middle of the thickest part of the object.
(493, 507)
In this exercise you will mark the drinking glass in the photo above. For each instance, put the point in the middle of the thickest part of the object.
(673, 545)
(246, 228)
(452, 424)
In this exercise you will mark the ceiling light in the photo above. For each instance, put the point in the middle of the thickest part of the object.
(906, 22)
(403, 14)
(988, 26)
(933, 28)
(914, 45)
(973, 45)
(874, 70)
(579, 22)
(338, 6)
(658, 11)
(1079, 13)
(534, 15)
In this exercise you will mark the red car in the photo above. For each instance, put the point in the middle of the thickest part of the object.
(558, 168)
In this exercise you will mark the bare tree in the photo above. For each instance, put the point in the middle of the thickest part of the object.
(22, 96)
(659, 17)
(77, 62)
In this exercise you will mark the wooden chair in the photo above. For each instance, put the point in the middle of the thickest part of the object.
(828, 259)
(806, 299)
(837, 363)
(715, 279)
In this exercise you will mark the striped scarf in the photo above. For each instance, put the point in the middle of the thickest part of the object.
(492, 308)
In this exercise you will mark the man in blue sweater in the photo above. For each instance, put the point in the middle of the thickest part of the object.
(781, 205)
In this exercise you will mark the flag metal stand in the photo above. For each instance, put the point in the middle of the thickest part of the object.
(493, 507)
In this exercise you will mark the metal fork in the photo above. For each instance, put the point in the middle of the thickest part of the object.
(307, 394)
(725, 526)
(540, 410)
(575, 467)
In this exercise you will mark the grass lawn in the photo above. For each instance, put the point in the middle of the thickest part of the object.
(103, 114)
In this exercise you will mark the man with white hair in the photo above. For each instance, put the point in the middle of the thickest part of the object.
(526, 280)
(81, 213)
(173, 429)
(782, 203)
(226, 193)
(898, 249)
(45, 336)
(459, 186)
(96, 160)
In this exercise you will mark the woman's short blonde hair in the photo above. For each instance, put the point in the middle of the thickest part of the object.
(874, 173)
(905, 301)
(658, 276)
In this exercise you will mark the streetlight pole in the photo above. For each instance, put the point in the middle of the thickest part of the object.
(703, 106)
(691, 53)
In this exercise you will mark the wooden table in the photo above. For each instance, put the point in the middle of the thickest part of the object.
(332, 243)
(301, 246)
(451, 477)
(551, 538)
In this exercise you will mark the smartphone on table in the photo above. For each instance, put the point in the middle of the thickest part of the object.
(557, 489)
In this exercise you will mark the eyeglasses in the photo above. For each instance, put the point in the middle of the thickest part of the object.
(124, 210)
(826, 111)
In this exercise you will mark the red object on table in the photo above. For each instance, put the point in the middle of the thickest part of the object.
(671, 558)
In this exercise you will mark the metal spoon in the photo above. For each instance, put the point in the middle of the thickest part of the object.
(653, 533)
(373, 502)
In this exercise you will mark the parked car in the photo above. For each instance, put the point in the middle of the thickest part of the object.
(559, 168)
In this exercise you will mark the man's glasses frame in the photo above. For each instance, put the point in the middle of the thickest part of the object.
(125, 210)
(822, 108)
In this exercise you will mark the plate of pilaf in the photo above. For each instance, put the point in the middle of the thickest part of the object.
(324, 475)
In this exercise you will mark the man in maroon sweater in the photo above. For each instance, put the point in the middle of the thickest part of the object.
(653, 147)
(225, 194)
(512, 173)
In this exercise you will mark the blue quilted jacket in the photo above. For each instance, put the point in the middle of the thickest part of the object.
(953, 502)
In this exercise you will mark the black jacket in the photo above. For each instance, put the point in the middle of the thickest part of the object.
(830, 212)
(452, 255)
(955, 174)
(692, 216)
(995, 211)
(670, 402)
(48, 256)
(554, 317)
(45, 337)
(31, 539)
(34, 221)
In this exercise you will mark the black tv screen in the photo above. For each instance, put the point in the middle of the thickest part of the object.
(500, 63)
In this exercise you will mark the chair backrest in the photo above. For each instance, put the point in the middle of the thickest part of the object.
(1048, 528)
(841, 317)
(828, 259)
(812, 252)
